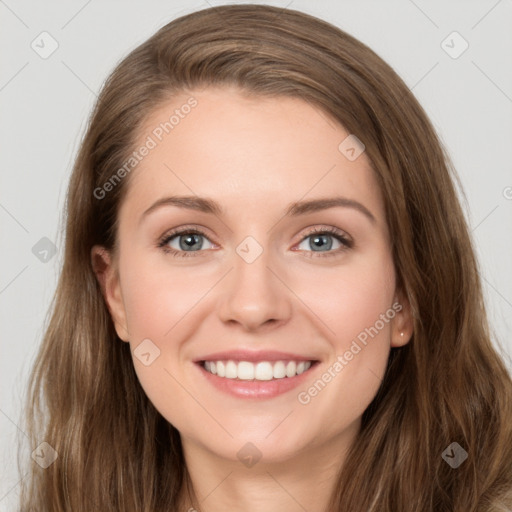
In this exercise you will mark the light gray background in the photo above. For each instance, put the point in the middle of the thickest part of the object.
(45, 104)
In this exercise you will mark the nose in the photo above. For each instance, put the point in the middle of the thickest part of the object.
(255, 295)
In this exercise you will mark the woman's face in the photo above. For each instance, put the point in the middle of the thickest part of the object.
(254, 231)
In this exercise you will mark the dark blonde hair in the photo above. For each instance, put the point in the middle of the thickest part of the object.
(448, 384)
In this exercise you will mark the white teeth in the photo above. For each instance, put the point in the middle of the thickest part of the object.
(264, 370)
(279, 371)
(291, 369)
(231, 370)
(245, 370)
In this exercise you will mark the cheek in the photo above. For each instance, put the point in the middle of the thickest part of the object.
(157, 296)
(147, 302)
(352, 298)
(358, 311)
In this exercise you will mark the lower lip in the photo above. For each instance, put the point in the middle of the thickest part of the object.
(261, 389)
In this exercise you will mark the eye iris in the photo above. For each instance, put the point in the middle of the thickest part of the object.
(321, 239)
(188, 241)
(322, 242)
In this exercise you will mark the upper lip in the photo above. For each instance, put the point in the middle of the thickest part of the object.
(253, 356)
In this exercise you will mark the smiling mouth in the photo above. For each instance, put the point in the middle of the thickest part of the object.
(259, 371)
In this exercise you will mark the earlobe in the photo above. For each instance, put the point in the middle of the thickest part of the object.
(108, 278)
(403, 325)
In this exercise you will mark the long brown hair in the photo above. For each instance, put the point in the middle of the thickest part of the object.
(448, 384)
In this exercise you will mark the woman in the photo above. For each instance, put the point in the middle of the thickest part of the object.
(255, 371)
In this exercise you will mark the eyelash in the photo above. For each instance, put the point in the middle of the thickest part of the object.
(348, 244)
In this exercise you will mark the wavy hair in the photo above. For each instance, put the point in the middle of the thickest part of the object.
(448, 384)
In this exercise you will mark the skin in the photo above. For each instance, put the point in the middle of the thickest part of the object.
(254, 156)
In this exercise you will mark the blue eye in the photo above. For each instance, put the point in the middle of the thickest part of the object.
(187, 239)
(322, 238)
(191, 238)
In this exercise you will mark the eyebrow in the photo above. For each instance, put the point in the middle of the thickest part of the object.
(205, 205)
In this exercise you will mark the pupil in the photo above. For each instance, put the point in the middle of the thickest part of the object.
(321, 240)
(190, 241)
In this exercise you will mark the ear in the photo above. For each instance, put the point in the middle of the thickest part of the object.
(107, 275)
(402, 325)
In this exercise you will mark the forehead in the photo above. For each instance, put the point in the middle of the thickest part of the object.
(245, 150)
